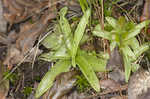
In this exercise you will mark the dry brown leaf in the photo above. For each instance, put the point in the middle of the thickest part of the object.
(74, 95)
(110, 84)
(3, 39)
(146, 11)
(25, 39)
(115, 63)
(115, 60)
(13, 56)
(120, 97)
(146, 14)
(18, 10)
(145, 95)
(139, 84)
(3, 23)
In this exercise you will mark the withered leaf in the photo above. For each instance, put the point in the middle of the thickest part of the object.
(3, 23)
(146, 11)
(115, 60)
(119, 97)
(139, 84)
(74, 95)
(25, 39)
(145, 95)
(115, 63)
(109, 84)
(18, 10)
(146, 14)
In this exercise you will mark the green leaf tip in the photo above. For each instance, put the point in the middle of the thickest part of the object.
(63, 11)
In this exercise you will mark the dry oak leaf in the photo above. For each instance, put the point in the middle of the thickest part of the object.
(25, 39)
(16, 11)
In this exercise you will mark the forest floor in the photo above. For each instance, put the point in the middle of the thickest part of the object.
(32, 35)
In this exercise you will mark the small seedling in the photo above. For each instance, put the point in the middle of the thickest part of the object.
(123, 34)
(66, 53)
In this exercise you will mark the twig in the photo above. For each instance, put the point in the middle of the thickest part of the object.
(124, 87)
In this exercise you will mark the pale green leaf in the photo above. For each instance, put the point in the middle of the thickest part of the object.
(65, 28)
(121, 23)
(133, 42)
(79, 33)
(85, 39)
(113, 22)
(129, 53)
(112, 45)
(98, 64)
(135, 67)
(141, 49)
(63, 11)
(53, 41)
(47, 81)
(136, 30)
(88, 72)
(127, 65)
(83, 4)
(60, 53)
(101, 33)
(103, 55)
